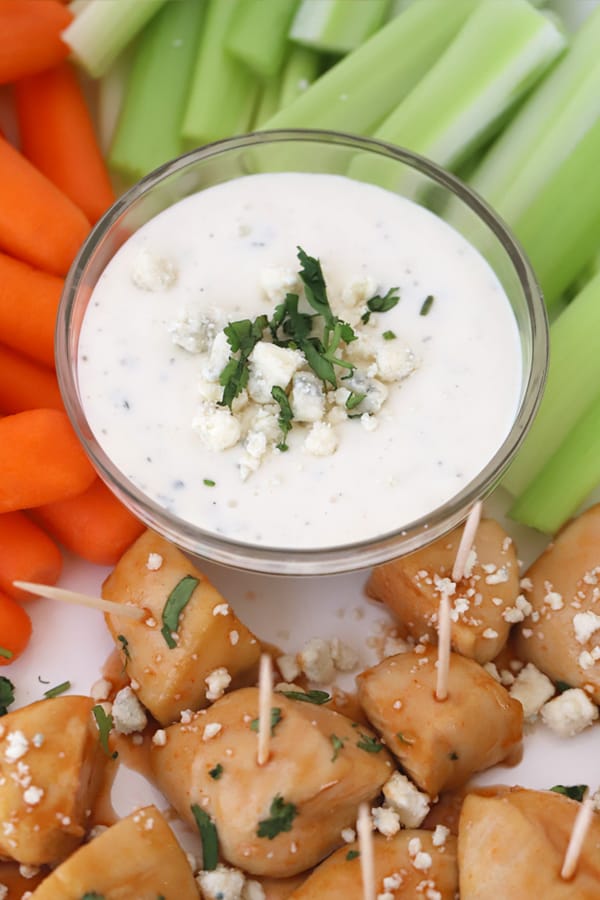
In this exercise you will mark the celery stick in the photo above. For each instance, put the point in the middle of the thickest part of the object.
(573, 382)
(566, 479)
(365, 86)
(111, 95)
(258, 34)
(223, 93)
(337, 26)
(501, 50)
(546, 129)
(300, 71)
(268, 102)
(103, 28)
(148, 131)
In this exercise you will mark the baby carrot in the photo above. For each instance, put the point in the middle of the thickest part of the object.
(31, 40)
(38, 223)
(25, 384)
(94, 525)
(15, 630)
(28, 303)
(41, 460)
(26, 554)
(57, 136)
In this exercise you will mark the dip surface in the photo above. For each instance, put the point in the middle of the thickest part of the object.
(437, 428)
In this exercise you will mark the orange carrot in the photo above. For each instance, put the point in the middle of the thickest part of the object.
(38, 223)
(30, 36)
(28, 303)
(57, 136)
(94, 525)
(26, 554)
(41, 460)
(25, 384)
(15, 630)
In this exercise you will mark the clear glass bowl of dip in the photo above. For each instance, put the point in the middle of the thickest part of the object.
(326, 153)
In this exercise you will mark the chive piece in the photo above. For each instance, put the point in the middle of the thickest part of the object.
(104, 723)
(7, 694)
(275, 720)
(281, 814)
(337, 744)
(389, 336)
(354, 400)
(562, 686)
(574, 791)
(209, 482)
(92, 895)
(285, 415)
(381, 304)
(316, 697)
(209, 836)
(403, 739)
(427, 304)
(6, 654)
(369, 744)
(58, 690)
(176, 602)
(124, 645)
(352, 854)
(216, 773)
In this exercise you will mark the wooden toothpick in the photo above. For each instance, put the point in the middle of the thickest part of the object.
(126, 610)
(265, 689)
(466, 542)
(581, 825)
(443, 663)
(364, 829)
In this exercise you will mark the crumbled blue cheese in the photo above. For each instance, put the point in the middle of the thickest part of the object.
(193, 332)
(271, 366)
(216, 426)
(345, 658)
(358, 291)
(218, 357)
(585, 625)
(18, 745)
(316, 661)
(223, 883)
(288, 666)
(152, 272)
(532, 689)
(307, 397)
(569, 713)
(128, 713)
(321, 440)
(278, 281)
(386, 820)
(394, 361)
(217, 683)
(407, 800)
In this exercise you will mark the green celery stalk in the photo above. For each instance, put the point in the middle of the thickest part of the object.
(258, 34)
(572, 384)
(148, 131)
(566, 479)
(501, 50)
(112, 88)
(223, 92)
(364, 87)
(103, 28)
(301, 70)
(560, 229)
(546, 129)
(337, 26)
(268, 102)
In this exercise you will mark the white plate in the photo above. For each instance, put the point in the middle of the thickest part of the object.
(72, 643)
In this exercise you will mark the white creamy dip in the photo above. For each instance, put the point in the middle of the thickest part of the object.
(149, 361)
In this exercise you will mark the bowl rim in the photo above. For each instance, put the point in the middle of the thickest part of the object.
(333, 559)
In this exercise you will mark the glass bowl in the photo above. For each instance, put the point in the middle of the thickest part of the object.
(327, 153)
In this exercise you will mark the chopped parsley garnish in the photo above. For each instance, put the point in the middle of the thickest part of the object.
(354, 400)
(177, 600)
(209, 837)
(337, 744)
(281, 816)
(242, 337)
(208, 482)
(104, 723)
(216, 772)
(427, 304)
(275, 720)
(574, 791)
(7, 694)
(285, 415)
(352, 854)
(316, 697)
(369, 744)
(381, 304)
(58, 690)
(124, 646)
(6, 654)
(403, 739)
(562, 686)
(389, 336)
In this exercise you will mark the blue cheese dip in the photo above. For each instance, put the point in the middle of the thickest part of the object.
(424, 396)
